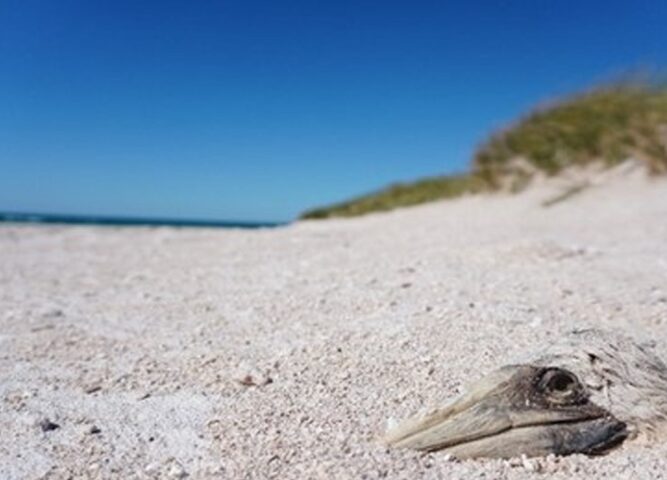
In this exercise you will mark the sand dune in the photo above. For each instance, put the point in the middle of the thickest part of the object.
(166, 353)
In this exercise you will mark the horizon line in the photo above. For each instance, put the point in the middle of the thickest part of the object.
(128, 221)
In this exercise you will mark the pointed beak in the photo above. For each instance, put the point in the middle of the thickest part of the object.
(516, 410)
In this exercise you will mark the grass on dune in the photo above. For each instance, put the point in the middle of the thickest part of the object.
(402, 194)
(607, 125)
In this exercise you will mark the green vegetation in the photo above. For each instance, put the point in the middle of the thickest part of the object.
(401, 195)
(605, 125)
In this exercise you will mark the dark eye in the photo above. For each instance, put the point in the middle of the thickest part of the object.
(561, 382)
(559, 385)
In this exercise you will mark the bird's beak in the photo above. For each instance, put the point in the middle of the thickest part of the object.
(511, 413)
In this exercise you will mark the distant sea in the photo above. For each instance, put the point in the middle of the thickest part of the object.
(126, 221)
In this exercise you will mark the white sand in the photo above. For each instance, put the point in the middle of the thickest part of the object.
(149, 334)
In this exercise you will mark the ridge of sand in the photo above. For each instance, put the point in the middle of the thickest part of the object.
(166, 353)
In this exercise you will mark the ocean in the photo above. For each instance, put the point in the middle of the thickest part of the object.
(49, 218)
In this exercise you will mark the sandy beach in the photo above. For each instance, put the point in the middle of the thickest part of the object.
(284, 353)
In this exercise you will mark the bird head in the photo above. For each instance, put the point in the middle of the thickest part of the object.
(585, 394)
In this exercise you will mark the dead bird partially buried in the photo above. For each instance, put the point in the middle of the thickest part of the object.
(586, 394)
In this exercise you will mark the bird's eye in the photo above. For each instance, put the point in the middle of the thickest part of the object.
(558, 383)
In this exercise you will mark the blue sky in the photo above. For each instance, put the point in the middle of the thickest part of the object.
(257, 110)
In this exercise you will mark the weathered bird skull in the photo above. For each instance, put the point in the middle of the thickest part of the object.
(586, 394)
